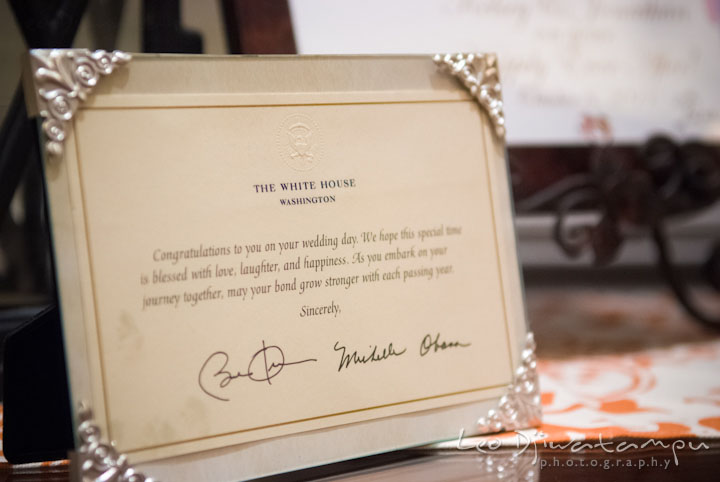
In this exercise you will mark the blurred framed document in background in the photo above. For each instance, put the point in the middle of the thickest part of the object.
(642, 67)
(269, 263)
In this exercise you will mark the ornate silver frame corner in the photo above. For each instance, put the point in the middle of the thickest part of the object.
(63, 78)
(99, 461)
(521, 406)
(479, 75)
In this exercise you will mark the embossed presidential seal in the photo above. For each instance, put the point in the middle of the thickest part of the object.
(299, 142)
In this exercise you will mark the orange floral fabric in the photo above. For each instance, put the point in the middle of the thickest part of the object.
(660, 393)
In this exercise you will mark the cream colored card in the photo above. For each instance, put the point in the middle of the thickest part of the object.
(312, 255)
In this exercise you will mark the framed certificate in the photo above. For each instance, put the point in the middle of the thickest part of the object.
(268, 263)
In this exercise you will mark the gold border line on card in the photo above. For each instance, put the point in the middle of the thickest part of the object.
(293, 104)
(95, 303)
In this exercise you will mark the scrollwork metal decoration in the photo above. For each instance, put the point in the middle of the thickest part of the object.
(479, 75)
(99, 460)
(520, 407)
(64, 78)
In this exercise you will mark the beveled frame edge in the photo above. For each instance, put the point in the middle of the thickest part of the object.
(57, 83)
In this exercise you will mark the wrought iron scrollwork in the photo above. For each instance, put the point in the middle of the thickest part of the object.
(664, 180)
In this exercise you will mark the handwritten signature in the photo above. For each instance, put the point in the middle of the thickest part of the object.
(264, 365)
(433, 345)
(376, 355)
